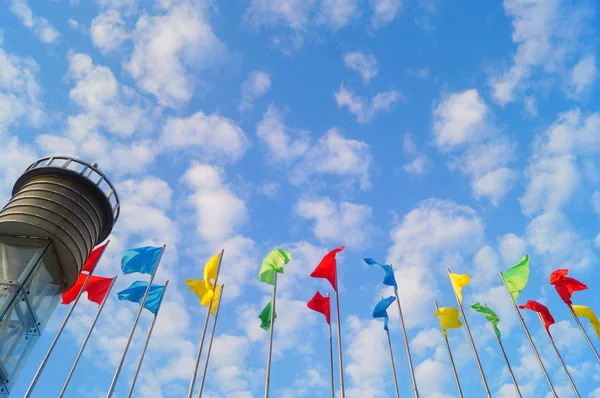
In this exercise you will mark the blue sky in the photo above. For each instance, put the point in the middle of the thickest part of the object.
(421, 133)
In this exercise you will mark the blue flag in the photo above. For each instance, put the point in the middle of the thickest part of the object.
(135, 293)
(380, 310)
(141, 259)
(389, 278)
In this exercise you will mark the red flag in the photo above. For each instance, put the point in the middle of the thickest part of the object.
(564, 285)
(320, 304)
(94, 257)
(542, 310)
(97, 288)
(327, 268)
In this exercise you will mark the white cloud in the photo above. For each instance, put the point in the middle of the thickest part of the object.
(215, 135)
(546, 33)
(44, 29)
(284, 144)
(180, 51)
(108, 31)
(218, 210)
(420, 164)
(435, 235)
(363, 63)
(346, 223)
(462, 125)
(269, 189)
(365, 110)
(384, 12)
(512, 248)
(15, 156)
(583, 75)
(337, 14)
(257, 85)
(596, 201)
(73, 24)
(432, 376)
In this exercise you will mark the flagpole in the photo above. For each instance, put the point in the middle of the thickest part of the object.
(587, 338)
(535, 351)
(331, 356)
(392, 360)
(462, 311)
(62, 327)
(137, 370)
(113, 383)
(87, 337)
(270, 349)
(559, 356)
(199, 354)
(460, 393)
(212, 335)
(512, 376)
(410, 364)
(339, 327)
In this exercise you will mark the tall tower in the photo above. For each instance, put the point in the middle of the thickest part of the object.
(61, 207)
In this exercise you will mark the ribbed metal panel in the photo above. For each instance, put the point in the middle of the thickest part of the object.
(65, 205)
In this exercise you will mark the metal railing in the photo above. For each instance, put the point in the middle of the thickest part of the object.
(89, 171)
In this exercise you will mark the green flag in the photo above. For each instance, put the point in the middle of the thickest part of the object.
(490, 316)
(273, 263)
(516, 277)
(265, 317)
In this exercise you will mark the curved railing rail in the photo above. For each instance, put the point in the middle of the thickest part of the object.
(89, 171)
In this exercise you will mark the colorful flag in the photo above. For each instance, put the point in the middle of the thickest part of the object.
(490, 316)
(564, 285)
(272, 264)
(542, 310)
(265, 316)
(327, 268)
(380, 310)
(96, 288)
(141, 259)
(389, 278)
(199, 287)
(449, 319)
(458, 282)
(135, 293)
(211, 269)
(320, 304)
(583, 311)
(516, 277)
(94, 257)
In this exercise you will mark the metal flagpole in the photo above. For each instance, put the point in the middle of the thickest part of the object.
(462, 311)
(113, 383)
(559, 357)
(199, 354)
(535, 351)
(270, 349)
(87, 337)
(410, 364)
(339, 327)
(212, 335)
(460, 393)
(393, 364)
(512, 376)
(587, 338)
(331, 355)
(62, 327)
(137, 370)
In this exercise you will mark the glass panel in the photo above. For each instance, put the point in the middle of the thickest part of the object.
(16, 254)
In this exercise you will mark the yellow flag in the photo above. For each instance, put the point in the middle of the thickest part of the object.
(210, 271)
(205, 295)
(582, 310)
(458, 282)
(449, 319)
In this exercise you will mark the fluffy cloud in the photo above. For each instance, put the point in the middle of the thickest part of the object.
(346, 222)
(332, 154)
(546, 33)
(420, 163)
(215, 135)
(363, 63)
(364, 110)
(384, 11)
(42, 28)
(257, 84)
(15, 156)
(462, 126)
(583, 75)
(180, 51)
(108, 31)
